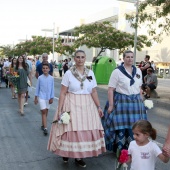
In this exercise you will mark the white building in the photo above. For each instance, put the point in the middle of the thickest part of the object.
(116, 16)
(159, 52)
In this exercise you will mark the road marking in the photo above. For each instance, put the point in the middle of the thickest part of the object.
(56, 98)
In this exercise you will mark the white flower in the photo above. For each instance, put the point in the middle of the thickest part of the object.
(148, 104)
(64, 118)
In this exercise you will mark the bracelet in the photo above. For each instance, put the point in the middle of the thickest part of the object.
(98, 107)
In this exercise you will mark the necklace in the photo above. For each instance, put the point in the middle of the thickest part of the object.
(76, 74)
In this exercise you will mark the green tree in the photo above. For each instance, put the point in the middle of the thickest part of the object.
(37, 45)
(7, 51)
(40, 45)
(22, 48)
(63, 48)
(155, 15)
(105, 36)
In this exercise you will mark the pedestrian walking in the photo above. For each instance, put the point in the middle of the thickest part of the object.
(142, 151)
(153, 65)
(65, 66)
(60, 68)
(70, 64)
(39, 66)
(83, 136)
(44, 94)
(12, 69)
(29, 66)
(33, 68)
(6, 65)
(1, 72)
(37, 61)
(23, 72)
(124, 106)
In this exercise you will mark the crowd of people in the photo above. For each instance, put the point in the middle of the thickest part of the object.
(23, 68)
(63, 66)
(91, 131)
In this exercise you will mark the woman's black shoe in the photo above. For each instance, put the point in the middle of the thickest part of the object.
(65, 159)
(45, 131)
(80, 162)
(42, 127)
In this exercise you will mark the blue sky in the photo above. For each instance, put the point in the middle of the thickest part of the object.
(20, 19)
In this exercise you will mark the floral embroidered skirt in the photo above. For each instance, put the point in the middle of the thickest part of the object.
(84, 135)
(118, 124)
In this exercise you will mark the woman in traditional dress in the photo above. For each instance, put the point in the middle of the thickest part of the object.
(83, 136)
(124, 106)
(23, 72)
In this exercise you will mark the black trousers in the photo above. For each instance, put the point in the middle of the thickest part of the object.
(60, 73)
(6, 81)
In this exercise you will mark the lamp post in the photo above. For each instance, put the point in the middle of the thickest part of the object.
(136, 31)
(51, 30)
(136, 27)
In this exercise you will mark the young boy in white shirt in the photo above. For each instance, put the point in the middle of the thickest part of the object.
(44, 94)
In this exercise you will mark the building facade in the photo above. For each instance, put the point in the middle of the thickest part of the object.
(159, 52)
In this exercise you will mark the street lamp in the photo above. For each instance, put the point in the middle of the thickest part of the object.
(136, 27)
(51, 30)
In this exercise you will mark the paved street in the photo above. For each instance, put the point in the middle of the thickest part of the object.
(23, 145)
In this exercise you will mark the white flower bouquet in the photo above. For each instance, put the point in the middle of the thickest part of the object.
(64, 118)
(148, 104)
